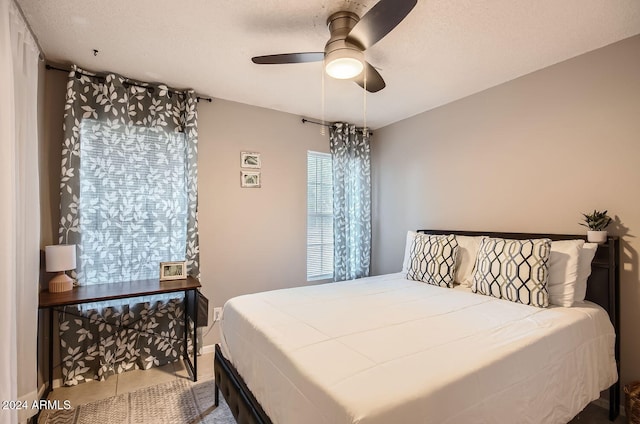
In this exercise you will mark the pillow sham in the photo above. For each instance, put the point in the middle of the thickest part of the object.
(433, 259)
(587, 253)
(411, 235)
(468, 247)
(515, 270)
(563, 271)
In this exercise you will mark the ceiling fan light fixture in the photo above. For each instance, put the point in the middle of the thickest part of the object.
(344, 63)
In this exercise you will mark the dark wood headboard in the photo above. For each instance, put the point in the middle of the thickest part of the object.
(602, 285)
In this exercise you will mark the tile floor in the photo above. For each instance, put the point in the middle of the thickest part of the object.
(130, 381)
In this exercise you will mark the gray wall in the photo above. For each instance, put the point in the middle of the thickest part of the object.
(525, 156)
(251, 239)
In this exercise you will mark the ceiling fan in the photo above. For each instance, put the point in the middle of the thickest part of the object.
(350, 37)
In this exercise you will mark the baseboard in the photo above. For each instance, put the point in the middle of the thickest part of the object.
(208, 349)
(41, 390)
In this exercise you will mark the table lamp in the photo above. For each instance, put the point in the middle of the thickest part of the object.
(60, 258)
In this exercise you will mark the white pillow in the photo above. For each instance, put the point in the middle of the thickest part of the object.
(563, 271)
(587, 253)
(468, 247)
(411, 235)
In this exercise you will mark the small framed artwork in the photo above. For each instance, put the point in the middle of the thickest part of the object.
(173, 270)
(250, 160)
(250, 179)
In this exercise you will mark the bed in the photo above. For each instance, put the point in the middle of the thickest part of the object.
(387, 349)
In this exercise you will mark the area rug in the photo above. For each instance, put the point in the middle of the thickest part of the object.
(179, 401)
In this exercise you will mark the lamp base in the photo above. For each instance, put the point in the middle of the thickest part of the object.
(61, 283)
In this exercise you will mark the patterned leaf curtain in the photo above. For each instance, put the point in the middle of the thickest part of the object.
(351, 157)
(128, 201)
(98, 342)
(123, 146)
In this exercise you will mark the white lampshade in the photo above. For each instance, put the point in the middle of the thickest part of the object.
(61, 257)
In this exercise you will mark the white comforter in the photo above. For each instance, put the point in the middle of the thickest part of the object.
(388, 350)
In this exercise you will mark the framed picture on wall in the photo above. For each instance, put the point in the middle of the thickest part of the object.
(250, 179)
(250, 160)
(173, 270)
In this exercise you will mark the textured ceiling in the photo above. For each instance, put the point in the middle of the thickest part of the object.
(444, 50)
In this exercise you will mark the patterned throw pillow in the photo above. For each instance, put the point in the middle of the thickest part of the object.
(433, 259)
(516, 270)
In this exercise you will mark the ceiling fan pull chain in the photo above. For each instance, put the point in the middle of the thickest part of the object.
(323, 126)
(364, 103)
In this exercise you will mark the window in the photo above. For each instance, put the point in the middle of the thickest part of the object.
(133, 201)
(319, 216)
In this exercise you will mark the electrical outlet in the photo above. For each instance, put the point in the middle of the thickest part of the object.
(217, 314)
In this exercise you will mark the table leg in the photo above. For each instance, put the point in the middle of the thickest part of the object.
(192, 365)
(195, 335)
(50, 349)
(186, 321)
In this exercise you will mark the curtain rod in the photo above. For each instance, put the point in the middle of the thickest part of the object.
(127, 81)
(305, 120)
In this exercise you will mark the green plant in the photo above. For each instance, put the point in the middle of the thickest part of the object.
(596, 221)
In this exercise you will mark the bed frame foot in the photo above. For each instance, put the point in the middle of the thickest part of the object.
(216, 396)
(614, 401)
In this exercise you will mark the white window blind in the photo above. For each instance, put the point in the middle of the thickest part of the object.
(319, 216)
(133, 201)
